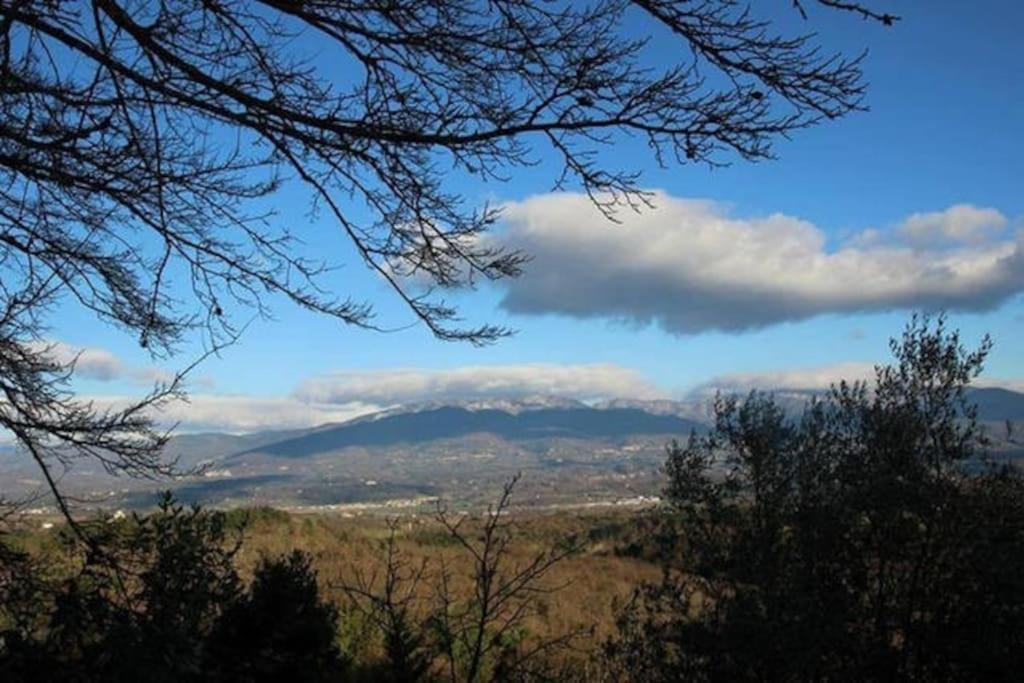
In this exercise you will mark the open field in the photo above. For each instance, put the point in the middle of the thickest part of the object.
(582, 593)
(587, 588)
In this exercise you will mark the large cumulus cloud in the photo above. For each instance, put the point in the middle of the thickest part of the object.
(959, 224)
(688, 266)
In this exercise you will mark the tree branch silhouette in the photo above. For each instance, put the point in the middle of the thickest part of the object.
(140, 143)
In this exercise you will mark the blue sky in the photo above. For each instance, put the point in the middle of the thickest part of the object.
(944, 130)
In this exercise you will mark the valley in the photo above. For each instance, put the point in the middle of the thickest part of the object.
(571, 456)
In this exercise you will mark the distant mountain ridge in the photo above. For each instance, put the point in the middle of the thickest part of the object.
(512, 406)
(529, 417)
(568, 450)
(997, 404)
(569, 420)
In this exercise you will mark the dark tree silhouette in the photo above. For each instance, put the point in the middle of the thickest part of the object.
(158, 598)
(866, 540)
(137, 602)
(282, 629)
(137, 138)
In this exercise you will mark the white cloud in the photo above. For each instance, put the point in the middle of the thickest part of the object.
(155, 375)
(90, 362)
(689, 267)
(236, 413)
(808, 379)
(345, 395)
(959, 224)
(815, 379)
(341, 396)
(392, 386)
(1001, 383)
(101, 365)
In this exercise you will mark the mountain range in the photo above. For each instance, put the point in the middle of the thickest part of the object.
(568, 451)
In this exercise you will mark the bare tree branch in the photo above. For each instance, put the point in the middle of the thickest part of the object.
(141, 141)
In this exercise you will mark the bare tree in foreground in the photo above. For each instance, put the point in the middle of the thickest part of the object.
(389, 600)
(137, 140)
(476, 630)
(481, 639)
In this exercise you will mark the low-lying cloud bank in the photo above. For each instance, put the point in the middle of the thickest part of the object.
(689, 267)
(340, 396)
(239, 414)
(795, 379)
(814, 379)
(405, 385)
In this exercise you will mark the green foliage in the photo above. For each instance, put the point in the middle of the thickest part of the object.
(241, 518)
(473, 633)
(851, 543)
(158, 598)
(22, 591)
(143, 594)
(355, 632)
(280, 629)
